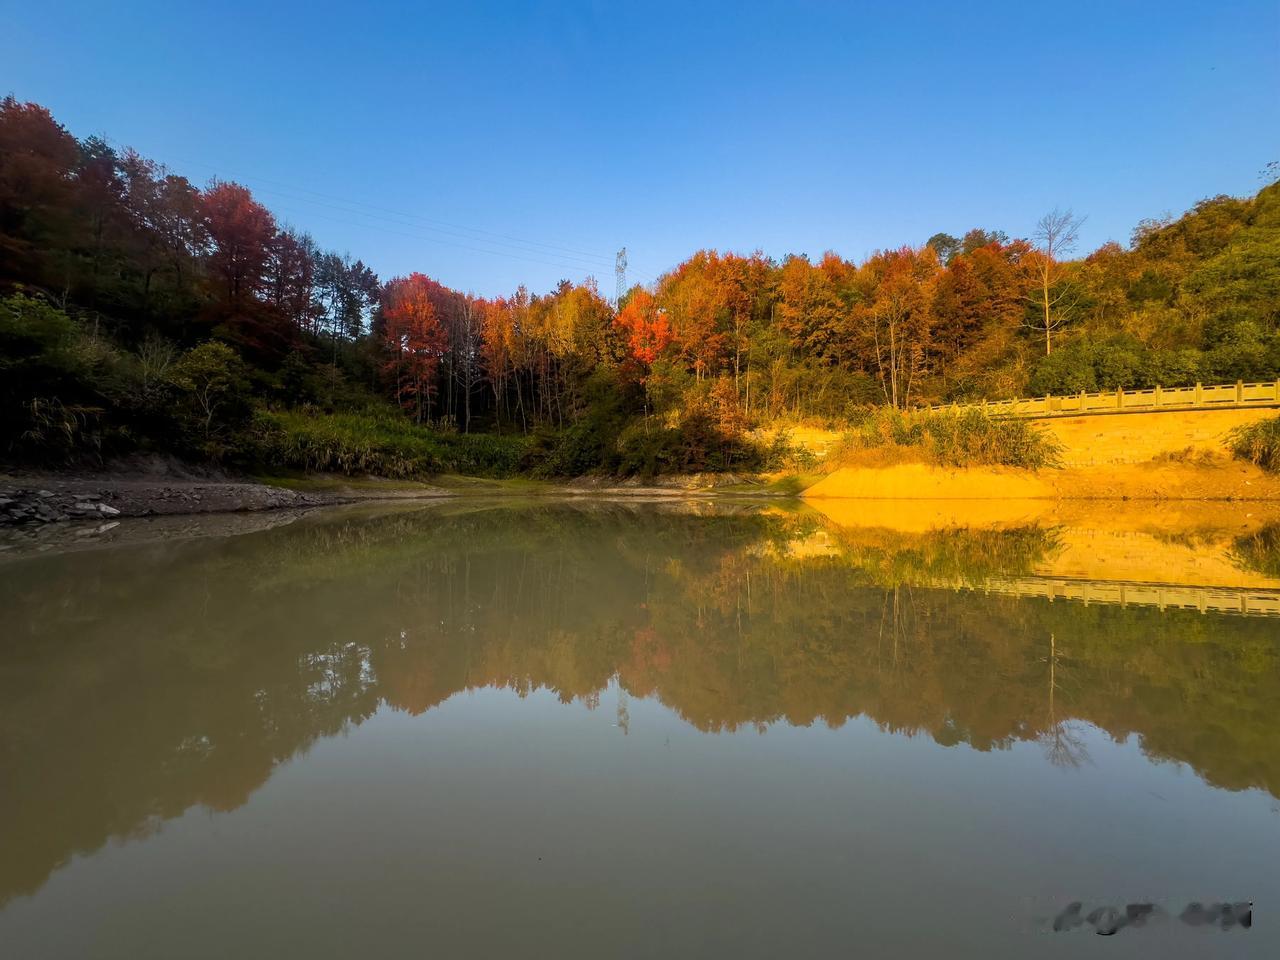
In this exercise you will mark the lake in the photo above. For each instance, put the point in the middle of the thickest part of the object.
(565, 728)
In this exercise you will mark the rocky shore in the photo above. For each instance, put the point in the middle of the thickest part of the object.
(50, 500)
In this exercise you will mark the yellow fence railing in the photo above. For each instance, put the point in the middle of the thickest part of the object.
(1239, 394)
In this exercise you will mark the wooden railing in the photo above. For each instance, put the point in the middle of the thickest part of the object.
(1238, 394)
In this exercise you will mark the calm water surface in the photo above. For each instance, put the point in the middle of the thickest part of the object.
(565, 730)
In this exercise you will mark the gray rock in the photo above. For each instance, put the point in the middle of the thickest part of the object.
(107, 511)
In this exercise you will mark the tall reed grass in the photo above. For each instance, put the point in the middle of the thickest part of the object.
(948, 438)
(1258, 443)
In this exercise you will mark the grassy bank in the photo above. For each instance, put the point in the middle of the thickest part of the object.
(967, 438)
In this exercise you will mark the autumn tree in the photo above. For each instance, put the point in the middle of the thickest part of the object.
(37, 222)
(691, 296)
(290, 278)
(645, 326)
(172, 234)
(896, 316)
(242, 231)
(414, 340)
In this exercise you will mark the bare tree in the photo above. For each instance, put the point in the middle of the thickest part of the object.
(154, 358)
(1055, 235)
(1062, 741)
(466, 349)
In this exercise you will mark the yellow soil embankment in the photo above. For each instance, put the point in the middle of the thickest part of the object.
(1138, 437)
(1179, 455)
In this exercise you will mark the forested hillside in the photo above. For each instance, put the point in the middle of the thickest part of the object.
(141, 312)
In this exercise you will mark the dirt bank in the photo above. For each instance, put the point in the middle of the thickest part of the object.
(1138, 437)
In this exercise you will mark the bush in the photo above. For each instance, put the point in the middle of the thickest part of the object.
(211, 384)
(380, 443)
(1086, 365)
(1241, 350)
(958, 439)
(1258, 443)
(590, 443)
(57, 380)
(697, 445)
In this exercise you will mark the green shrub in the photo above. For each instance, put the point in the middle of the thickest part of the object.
(57, 383)
(1258, 443)
(380, 443)
(210, 383)
(590, 443)
(965, 438)
(697, 445)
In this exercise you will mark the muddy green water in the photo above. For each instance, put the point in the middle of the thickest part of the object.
(616, 730)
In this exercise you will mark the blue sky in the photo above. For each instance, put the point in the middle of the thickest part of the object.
(494, 144)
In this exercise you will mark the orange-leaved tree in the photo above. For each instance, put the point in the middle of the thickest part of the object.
(645, 326)
(415, 340)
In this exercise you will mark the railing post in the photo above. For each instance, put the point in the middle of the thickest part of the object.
(1119, 398)
(1199, 393)
(1239, 391)
(1082, 401)
(1159, 395)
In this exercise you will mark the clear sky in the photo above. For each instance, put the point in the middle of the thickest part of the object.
(492, 144)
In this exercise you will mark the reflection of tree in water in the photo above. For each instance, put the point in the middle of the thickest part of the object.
(1061, 738)
(206, 664)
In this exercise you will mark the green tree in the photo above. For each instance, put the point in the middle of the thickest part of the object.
(212, 381)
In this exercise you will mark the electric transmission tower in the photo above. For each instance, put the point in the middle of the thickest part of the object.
(620, 272)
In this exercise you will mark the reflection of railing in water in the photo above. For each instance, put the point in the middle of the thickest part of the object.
(1199, 397)
(1250, 602)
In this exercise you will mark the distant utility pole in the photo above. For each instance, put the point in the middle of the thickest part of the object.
(620, 272)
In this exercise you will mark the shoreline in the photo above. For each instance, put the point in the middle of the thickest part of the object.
(42, 498)
(47, 497)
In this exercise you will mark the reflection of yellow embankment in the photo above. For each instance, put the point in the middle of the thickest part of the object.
(919, 481)
(921, 516)
(1156, 480)
(1133, 556)
(1181, 543)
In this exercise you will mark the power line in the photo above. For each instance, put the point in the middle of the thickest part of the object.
(500, 239)
(582, 270)
(586, 265)
(577, 262)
